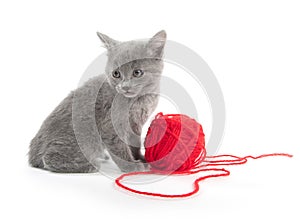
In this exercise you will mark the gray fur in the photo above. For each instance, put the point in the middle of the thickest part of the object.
(63, 146)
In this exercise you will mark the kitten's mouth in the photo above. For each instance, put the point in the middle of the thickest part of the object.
(129, 94)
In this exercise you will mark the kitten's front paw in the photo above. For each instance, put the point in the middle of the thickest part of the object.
(142, 158)
(135, 166)
(142, 166)
(104, 156)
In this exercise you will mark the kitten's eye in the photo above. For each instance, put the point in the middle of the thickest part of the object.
(138, 73)
(116, 74)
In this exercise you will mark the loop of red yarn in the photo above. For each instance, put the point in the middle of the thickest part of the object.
(175, 145)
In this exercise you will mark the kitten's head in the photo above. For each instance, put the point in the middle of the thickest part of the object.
(134, 67)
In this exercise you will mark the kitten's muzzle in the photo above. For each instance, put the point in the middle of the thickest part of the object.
(125, 90)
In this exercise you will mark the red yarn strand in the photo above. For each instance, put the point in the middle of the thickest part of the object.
(196, 187)
(181, 151)
(195, 184)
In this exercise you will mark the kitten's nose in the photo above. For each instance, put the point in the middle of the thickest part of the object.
(125, 88)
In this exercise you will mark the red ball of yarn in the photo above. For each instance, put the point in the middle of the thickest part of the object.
(174, 143)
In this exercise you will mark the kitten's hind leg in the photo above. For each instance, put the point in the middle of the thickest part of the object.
(66, 159)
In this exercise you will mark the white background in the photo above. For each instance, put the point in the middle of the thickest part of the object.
(252, 47)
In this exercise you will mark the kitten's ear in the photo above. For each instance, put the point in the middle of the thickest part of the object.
(107, 41)
(156, 44)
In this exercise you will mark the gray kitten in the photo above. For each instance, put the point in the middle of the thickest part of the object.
(106, 113)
